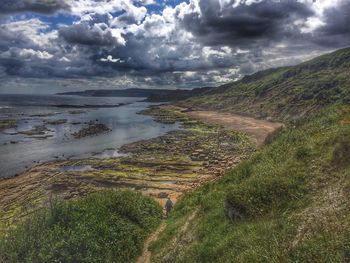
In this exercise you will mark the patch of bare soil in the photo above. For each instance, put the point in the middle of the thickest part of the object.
(184, 236)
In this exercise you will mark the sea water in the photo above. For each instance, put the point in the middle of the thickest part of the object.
(19, 152)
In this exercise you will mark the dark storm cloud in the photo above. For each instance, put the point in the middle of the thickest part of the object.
(204, 42)
(8, 39)
(245, 24)
(39, 6)
(11, 66)
(84, 34)
(336, 30)
(93, 32)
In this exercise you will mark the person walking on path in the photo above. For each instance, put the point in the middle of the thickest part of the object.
(168, 206)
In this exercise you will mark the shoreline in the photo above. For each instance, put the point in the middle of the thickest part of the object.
(45, 134)
(168, 165)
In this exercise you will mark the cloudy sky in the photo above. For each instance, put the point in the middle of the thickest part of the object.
(51, 45)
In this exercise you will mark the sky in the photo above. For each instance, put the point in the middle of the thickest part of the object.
(60, 45)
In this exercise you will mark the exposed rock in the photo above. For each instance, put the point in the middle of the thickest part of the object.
(56, 122)
(92, 129)
(76, 112)
(162, 195)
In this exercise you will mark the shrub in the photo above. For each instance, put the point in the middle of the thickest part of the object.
(259, 195)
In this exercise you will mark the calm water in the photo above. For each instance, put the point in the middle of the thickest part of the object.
(19, 151)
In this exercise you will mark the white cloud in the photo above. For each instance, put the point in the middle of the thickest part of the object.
(111, 59)
(148, 2)
(64, 59)
(26, 54)
(30, 54)
(30, 29)
(311, 24)
(83, 7)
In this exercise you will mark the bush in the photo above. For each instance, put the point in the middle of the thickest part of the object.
(103, 227)
(259, 195)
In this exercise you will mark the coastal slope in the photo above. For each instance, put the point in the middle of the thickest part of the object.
(285, 201)
(290, 201)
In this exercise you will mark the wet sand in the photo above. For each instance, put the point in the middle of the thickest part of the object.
(257, 129)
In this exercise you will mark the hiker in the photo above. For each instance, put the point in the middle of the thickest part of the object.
(168, 206)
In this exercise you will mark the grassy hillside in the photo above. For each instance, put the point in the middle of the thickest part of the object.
(103, 227)
(283, 93)
(288, 203)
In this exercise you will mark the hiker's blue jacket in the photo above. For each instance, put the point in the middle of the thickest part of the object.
(169, 204)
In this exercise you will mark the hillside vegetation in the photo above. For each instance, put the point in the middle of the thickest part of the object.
(108, 226)
(283, 93)
(290, 201)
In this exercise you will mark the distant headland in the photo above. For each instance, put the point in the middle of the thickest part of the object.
(152, 95)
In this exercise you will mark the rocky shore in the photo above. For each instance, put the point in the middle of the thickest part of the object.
(169, 165)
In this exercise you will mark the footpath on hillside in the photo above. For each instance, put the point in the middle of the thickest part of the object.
(258, 130)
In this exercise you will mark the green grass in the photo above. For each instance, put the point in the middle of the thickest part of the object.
(288, 203)
(108, 226)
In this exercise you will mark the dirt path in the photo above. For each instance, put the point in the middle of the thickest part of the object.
(257, 129)
(146, 254)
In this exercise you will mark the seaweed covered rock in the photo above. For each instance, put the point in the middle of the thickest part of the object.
(92, 129)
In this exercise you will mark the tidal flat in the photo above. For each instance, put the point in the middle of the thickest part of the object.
(168, 165)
